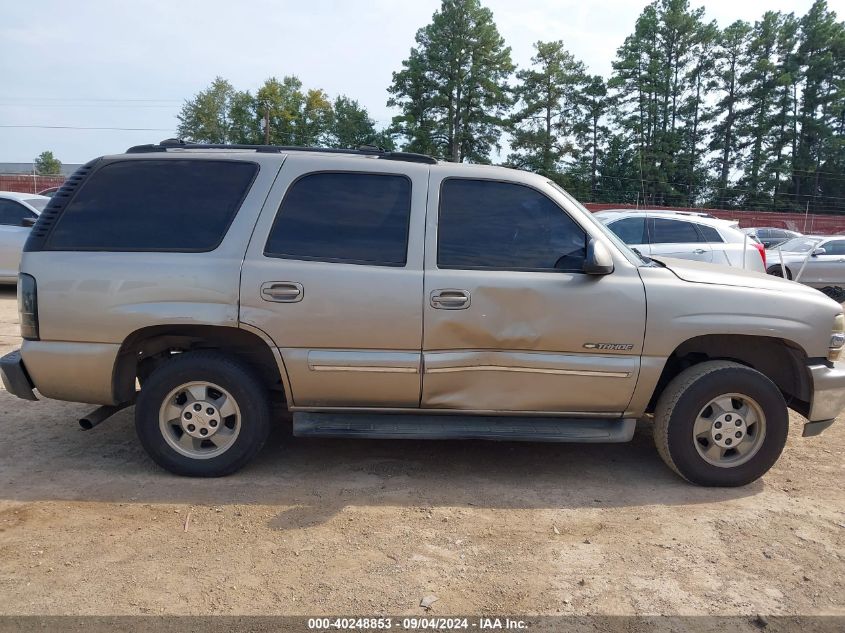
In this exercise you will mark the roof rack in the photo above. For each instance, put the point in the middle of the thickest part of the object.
(364, 150)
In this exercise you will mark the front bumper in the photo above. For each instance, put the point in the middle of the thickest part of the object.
(828, 397)
(15, 378)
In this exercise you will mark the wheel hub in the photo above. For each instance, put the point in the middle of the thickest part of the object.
(200, 419)
(728, 430)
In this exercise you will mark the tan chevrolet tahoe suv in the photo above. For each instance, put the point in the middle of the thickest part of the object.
(388, 295)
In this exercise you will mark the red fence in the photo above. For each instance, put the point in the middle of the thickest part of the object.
(804, 223)
(28, 183)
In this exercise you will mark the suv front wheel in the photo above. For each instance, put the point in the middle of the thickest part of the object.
(720, 423)
(202, 414)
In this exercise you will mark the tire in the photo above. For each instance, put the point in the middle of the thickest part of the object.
(685, 428)
(777, 272)
(233, 414)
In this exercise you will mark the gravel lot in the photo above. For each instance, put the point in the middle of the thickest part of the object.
(88, 525)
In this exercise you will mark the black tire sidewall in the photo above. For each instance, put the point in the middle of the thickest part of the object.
(729, 380)
(218, 369)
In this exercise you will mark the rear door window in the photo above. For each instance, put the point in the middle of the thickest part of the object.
(344, 217)
(154, 205)
(664, 231)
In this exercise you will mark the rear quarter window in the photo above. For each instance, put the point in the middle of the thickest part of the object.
(154, 205)
(709, 233)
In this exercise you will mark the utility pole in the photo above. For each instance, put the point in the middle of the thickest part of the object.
(267, 125)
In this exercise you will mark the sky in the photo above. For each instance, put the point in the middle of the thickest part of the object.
(131, 64)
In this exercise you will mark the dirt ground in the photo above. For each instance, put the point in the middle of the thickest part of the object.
(89, 525)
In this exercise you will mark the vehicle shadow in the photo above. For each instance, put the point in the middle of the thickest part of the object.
(44, 455)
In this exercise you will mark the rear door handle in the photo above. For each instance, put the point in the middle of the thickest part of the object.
(282, 291)
(449, 299)
(699, 251)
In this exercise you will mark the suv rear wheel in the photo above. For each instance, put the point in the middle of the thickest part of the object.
(720, 423)
(202, 414)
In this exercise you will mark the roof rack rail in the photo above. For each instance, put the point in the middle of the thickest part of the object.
(364, 150)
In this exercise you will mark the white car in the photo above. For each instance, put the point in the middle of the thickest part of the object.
(18, 212)
(683, 235)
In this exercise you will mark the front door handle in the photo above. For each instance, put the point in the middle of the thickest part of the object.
(699, 251)
(282, 291)
(449, 299)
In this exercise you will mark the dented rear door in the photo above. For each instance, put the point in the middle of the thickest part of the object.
(510, 321)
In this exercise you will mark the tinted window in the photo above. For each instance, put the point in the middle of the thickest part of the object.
(487, 224)
(154, 205)
(12, 213)
(344, 217)
(630, 230)
(709, 233)
(763, 233)
(672, 231)
(834, 247)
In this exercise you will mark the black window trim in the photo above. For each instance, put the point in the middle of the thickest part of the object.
(247, 190)
(341, 260)
(555, 271)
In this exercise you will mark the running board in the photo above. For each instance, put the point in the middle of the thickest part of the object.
(462, 427)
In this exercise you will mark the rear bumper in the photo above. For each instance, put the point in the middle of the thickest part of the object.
(828, 397)
(15, 378)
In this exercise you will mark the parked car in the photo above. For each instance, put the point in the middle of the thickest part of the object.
(815, 260)
(771, 237)
(18, 212)
(686, 236)
(389, 295)
(49, 192)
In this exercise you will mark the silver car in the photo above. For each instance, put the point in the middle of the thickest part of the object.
(18, 213)
(814, 260)
(682, 235)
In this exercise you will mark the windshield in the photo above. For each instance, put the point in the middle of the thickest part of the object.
(798, 244)
(37, 203)
(632, 254)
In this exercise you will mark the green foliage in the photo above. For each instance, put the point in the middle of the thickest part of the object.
(47, 165)
(452, 90)
(547, 101)
(297, 117)
(749, 116)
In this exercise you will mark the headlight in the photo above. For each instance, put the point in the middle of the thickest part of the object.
(837, 338)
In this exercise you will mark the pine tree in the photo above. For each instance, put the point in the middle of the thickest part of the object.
(756, 120)
(547, 109)
(590, 129)
(821, 53)
(452, 90)
(725, 139)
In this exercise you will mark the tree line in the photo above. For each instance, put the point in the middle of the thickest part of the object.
(745, 116)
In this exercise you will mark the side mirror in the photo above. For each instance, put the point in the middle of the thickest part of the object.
(28, 221)
(818, 251)
(599, 260)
